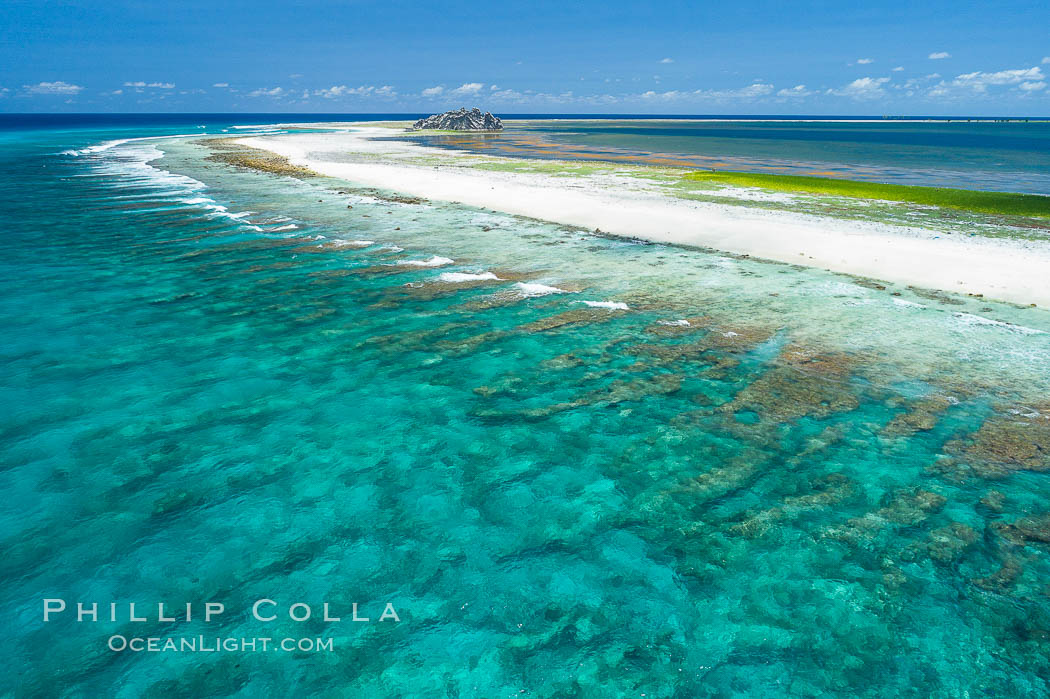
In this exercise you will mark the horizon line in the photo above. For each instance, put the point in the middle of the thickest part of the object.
(511, 115)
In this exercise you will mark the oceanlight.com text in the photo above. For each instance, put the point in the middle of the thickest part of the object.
(206, 644)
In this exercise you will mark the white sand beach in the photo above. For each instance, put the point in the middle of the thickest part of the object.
(998, 268)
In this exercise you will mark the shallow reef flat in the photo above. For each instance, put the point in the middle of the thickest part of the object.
(995, 245)
(228, 151)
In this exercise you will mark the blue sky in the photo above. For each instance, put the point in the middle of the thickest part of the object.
(804, 57)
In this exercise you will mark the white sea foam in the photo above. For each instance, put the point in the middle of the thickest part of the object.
(676, 323)
(530, 290)
(434, 261)
(287, 227)
(1025, 412)
(458, 277)
(130, 167)
(974, 320)
(98, 148)
(214, 209)
(353, 243)
(907, 304)
(611, 305)
(106, 145)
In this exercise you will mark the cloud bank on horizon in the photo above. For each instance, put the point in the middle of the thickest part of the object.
(682, 58)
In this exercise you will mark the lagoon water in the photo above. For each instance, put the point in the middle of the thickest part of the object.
(576, 466)
(1011, 156)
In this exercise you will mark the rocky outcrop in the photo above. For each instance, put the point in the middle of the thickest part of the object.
(461, 120)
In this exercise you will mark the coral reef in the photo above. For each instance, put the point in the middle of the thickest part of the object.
(1011, 440)
(227, 151)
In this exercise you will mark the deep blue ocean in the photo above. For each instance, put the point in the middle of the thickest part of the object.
(575, 466)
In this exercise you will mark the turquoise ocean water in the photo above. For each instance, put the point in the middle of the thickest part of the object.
(719, 477)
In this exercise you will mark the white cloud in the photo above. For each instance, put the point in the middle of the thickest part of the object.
(669, 95)
(468, 89)
(980, 81)
(938, 55)
(220, 85)
(342, 91)
(600, 99)
(898, 69)
(796, 91)
(667, 60)
(977, 83)
(267, 92)
(753, 90)
(1046, 60)
(360, 91)
(433, 91)
(508, 96)
(56, 88)
(915, 83)
(141, 83)
(865, 61)
(750, 92)
(862, 89)
(115, 92)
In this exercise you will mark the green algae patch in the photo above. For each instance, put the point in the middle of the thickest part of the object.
(556, 168)
(1005, 203)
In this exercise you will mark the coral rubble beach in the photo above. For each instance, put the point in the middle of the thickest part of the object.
(1001, 268)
